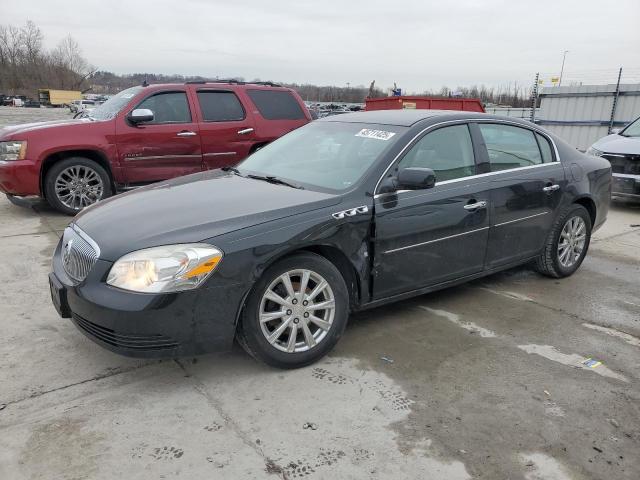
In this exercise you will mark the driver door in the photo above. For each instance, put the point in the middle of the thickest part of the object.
(427, 237)
(167, 147)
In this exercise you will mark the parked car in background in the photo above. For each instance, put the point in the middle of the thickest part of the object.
(346, 213)
(622, 150)
(81, 105)
(143, 135)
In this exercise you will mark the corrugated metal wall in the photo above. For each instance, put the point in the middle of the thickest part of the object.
(523, 113)
(581, 114)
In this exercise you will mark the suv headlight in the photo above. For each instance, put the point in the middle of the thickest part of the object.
(13, 150)
(170, 268)
(593, 151)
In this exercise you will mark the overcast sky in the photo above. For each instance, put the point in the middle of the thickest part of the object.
(417, 43)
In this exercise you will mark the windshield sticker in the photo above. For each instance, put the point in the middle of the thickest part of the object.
(377, 134)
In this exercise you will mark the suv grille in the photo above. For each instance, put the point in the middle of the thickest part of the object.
(79, 253)
(620, 163)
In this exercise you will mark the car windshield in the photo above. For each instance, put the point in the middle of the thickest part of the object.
(328, 155)
(111, 107)
(632, 130)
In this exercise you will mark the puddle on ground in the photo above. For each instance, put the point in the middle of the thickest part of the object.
(571, 359)
(539, 466)
(505, 293)
(454, 318)
(630, 339)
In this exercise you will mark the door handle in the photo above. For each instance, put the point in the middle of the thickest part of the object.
(476, 206)
(186, 133)
(244, 131)
(551, 188)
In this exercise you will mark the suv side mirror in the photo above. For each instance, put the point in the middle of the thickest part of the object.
(140, 115)
(615, 131)
(415, 178)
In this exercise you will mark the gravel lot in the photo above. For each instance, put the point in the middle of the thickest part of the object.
(485, 380)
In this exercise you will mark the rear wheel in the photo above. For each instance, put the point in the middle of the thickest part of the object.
(75, 183)
(567, 243)
(295, 313)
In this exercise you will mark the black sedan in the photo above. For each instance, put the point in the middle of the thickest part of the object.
(346, 213)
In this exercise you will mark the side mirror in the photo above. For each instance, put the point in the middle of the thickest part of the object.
(140, 115)
(615, 131)
(415, 178)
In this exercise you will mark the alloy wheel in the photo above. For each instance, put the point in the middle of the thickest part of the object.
(572, 241)
(78, 186)
(297, 311)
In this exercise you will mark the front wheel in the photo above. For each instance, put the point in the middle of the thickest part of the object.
(75, 183)
(295, 313)
(567, 243)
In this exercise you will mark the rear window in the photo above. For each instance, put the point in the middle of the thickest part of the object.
(276, 105)
(221, 106)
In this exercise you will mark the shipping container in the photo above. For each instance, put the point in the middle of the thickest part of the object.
(58, 98)
(429, 103)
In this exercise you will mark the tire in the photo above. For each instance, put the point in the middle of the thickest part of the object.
(551, 261)
(97, 185)
(311, 341)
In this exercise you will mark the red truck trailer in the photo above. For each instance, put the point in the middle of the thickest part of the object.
(429, 103)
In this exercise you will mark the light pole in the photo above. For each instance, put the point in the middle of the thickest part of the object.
(564, 56)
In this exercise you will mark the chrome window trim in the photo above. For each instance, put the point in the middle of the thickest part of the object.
(626, 175)
(436, 240)
(520, 219)
(471, 120)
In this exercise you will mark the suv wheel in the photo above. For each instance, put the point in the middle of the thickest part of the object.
(567, 243)
(295, 313)
(76, 183)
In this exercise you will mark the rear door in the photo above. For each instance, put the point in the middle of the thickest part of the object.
(527, 183)
(277, 111)
(227, 130)
(426, 237)
(167, 147)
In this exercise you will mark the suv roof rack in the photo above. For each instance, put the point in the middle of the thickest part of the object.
(231, 81)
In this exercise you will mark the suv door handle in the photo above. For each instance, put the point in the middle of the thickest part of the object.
(186, 133)
(476, 206)
(551, 188)
(244, 131)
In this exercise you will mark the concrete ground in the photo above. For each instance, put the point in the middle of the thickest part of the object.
(487, 380)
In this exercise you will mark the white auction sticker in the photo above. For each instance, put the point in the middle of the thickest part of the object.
(377, 134)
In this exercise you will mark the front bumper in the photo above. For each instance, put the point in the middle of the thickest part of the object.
(20, 177)
(625, 185)
(147, 325)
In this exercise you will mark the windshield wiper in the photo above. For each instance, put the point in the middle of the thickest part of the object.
(275, 180)
(231, 169)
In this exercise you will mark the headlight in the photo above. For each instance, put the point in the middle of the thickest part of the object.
(170, 268)
(593, 151)
(13, 150)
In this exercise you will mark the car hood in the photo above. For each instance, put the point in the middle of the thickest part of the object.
(14, 130)
(618, 144)
(191, 209)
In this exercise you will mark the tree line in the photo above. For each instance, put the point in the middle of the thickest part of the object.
(25, 66)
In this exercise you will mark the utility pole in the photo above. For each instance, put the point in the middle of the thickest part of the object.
(564, 56)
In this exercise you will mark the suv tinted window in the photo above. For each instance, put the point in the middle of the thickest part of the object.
(545, 148)
(447, 151)
(510, 147)
(276, 104)
(220, 106)
(169, 107)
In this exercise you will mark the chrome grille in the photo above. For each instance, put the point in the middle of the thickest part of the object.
(79, 253)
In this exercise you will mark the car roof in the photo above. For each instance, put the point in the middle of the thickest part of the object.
(407, 118)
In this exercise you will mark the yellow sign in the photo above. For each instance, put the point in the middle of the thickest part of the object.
(555, 79)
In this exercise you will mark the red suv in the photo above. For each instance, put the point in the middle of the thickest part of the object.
(142, 135)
